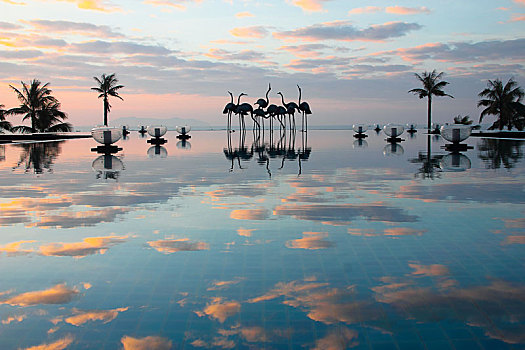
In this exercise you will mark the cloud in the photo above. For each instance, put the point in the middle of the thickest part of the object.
(89, 246)
(11, 319)
(393, 232)
(343, 214)
(21, 54)
(243, 55)
(367, 9)
(468, 305)
(9, 26)
(397, 10)
(245, 232)
(429, 270)
(519, 2)
(59, 344)
(146, 343)
(250, 214)
(463, 192)
(169, 246)
(311, 241)
(93, 5)
(12, 249)
(121, 47)
(340, 339)
(250, 32)
(58, 294)
(221, 285)
(517, 18)
(167, 4)
(220, 310)
(244, 14)
(77, 28)
(346, 31)
(463, 51)
(401, 10)
(82, 218)
(309, 5)
(81, 317)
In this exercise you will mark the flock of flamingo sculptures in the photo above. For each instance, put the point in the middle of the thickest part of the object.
(265, 110)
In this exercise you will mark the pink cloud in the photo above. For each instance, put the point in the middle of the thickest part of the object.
(401, 10)
(367, 9)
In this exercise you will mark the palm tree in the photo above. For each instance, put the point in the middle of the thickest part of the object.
(431, 86)
(107, 86)
(40, 107)
(4, 124)
(504, 102)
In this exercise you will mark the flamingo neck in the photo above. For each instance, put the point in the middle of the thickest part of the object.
(282, 98)
(299, 96)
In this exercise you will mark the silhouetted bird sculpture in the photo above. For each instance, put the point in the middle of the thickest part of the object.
(229, 109)
(244, 109)
(304, 107)
(290, 109)
(264, 103)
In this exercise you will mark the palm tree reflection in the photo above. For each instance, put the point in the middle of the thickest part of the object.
(496, 153)
(38, 157)
(430, 168)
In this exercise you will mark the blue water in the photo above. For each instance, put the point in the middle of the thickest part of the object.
(316, 241)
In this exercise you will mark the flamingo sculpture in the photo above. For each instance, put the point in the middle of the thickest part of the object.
(229, 109)
(290, 109)
(304, 107)
(244, 109)
(239, 112)
(264, 103)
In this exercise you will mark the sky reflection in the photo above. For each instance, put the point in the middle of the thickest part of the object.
(334, 246)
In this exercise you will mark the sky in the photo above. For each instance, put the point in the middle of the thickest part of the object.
(354, 59)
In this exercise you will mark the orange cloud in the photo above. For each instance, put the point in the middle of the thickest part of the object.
(89, 246)
(311, 240)
(245, 232)
(429, 270)
(309, 5)
(12, 249)
(82, 317)
(58, 294)
(244, 14)
(250, 214)
(168, 246)
(249, 32)
(147, 343)
(11, 319)
(520, 2)
(60, 344)
(220, 310)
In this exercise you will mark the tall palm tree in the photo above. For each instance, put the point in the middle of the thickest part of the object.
(4, 124)
(40, 107)
(107, 86)
(504, 102)
(431, 86)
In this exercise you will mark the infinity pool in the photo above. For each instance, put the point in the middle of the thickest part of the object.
(305, 242)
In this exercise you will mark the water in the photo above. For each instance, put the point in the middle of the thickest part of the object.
(217, 245)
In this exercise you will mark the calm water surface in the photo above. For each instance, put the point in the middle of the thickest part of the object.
(321, 243)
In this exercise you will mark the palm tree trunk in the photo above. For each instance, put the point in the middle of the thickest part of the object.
(33, 122)
(429, 113)
(105, 112)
